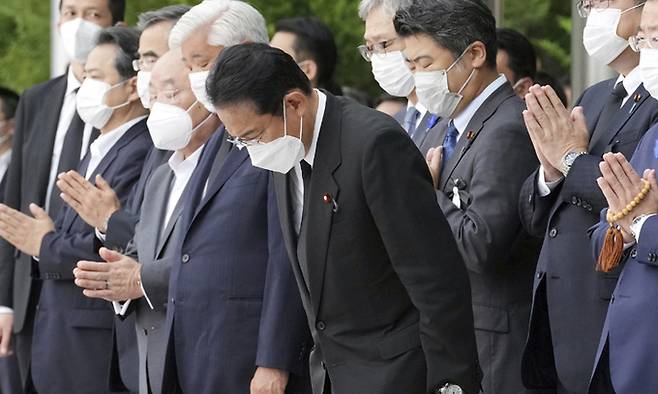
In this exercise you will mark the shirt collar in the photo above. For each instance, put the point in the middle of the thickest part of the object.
(182, 165)
(72, 82)
(462, 120)
(319, 115)
(632, 81)
(106, 141)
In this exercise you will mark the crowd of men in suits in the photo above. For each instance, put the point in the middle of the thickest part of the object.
(193, 208)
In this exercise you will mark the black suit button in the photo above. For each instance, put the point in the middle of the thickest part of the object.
(552, 233)
(574, 200)
(320, 325)
(634, 253)
(538, 275)
(186, 258)
(172, 301)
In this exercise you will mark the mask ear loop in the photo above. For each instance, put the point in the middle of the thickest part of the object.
(285, 119)
(112, 87)
(632, 8)
(203, 121)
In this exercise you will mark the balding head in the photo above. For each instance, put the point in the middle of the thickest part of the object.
(169, 81)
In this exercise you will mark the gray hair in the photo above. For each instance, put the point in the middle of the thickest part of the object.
(389, 6)
(170, 13)
(232, 22)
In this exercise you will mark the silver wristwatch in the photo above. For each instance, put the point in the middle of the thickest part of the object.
(450, 389)
(568, 160)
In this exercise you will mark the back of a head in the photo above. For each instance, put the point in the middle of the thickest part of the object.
(543, 78)
(314, 40)
(520, 52)
(8, 102)
(389, 6)
(453, 24)
(127, 41)
(232, 22)
(256, 74)
(170, 13)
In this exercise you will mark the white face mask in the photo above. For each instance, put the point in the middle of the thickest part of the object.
(198, 84)
(392, 73)
(649, 70)
(143, 81)
(79, 38)
(433, 91)
(171, 127)
(600, 35)
(283, 153)
(90, 102)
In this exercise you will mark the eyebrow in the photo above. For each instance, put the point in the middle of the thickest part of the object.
(418, 58)
(649, 28)
(148, 54)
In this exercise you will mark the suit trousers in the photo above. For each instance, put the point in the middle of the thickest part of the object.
(23, 340)
(601, 380)
(10, 378)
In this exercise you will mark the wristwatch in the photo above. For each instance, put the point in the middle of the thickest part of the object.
(569, 159)
(450, 389)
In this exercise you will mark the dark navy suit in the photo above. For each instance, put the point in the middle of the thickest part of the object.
(234, 303)
(629, 332)
(73, 334)
(560, 352)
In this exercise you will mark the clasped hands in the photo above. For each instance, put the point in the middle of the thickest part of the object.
(554, 131)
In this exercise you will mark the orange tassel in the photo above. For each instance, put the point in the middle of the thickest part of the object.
(613, 249)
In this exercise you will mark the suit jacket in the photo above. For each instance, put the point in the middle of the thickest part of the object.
(82, 326)
(26, 180)
(426, 135)
(630, 323)
(387, 297)
(492, 159)
(233, 301)
(567, 288)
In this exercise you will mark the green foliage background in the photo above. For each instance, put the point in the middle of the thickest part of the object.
(25, 46)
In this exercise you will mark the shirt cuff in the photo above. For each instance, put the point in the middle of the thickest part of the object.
(636, 228)
(545, 188)
(119, 308)
(99, 235)
(5, 310)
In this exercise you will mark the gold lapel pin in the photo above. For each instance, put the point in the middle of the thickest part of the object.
(470, 135)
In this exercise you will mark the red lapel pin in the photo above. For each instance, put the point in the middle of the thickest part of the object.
(328, 199)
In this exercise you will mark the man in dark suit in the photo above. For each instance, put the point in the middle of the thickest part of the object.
(158, 228)
(560, 203)
(78, 361)
(49, 138)
(389, 311)
(383, 49)
(485, 158)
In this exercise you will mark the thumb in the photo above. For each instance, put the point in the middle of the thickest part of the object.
(650, 175)
(38, 212)
(102, 183)
(578, 118)
(110, 255)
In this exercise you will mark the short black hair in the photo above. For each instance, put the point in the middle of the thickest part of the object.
(170, 13)
(127, 40)
(453, 24)
(314, 40)
(257, 74)
(8, 102)
(543, 78)
(520, 52)
(117, 9)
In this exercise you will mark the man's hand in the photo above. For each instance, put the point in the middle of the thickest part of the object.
(553, 130)
(620, 184)
(434, 160)
(6, 324)
(117, 279)
(24, 232)
(94, 204)
(269, 381)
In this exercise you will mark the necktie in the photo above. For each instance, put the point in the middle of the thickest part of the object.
(608, 115)
(68, 159)
(410, 119)
(450, 141)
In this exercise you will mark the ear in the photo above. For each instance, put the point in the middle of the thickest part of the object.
(310, 68)
(12, 127)
(297, 100)
(478, 54)
(523, 86)
(131, 86)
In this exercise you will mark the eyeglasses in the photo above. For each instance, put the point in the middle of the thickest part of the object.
(242, 143)
(585, 6)
(367, 51)
(144, 62)
(638, 43)
(169, 95)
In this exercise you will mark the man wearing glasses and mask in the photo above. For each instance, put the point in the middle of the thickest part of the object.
(560, 202)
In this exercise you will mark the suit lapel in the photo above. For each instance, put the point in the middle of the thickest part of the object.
(601, 140)
(175, 217)
(156, 212)
(474, 128)
(323, 184)
(421, 134)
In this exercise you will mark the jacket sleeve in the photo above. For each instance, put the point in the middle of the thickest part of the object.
(486, 228)
(61, 250)
(535, 210)
(284, 339)
(12, 198)
(398, 190)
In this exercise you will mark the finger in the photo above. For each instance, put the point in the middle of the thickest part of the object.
(630, 172)
(102, 184)
(554, 99)
(650, 175)
(429, 155)
(73, 203)
(102, 294)
(80, 180)
(89, 284)
(611, 181)
(531, 124)
(93, 266)
(608, 193)
(540, 115)
(546, 104)
(74, 183)
(580, 121)
(627, 187)
(10, 223)
(38, 212)
(5, 342)
(99, 276)
(69, 186)
(110, 255)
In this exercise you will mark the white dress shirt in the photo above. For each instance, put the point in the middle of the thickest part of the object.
(297, 180)
(102, 145)
(65, 118)
(5, 159)
(631, 82)
(183, 167)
